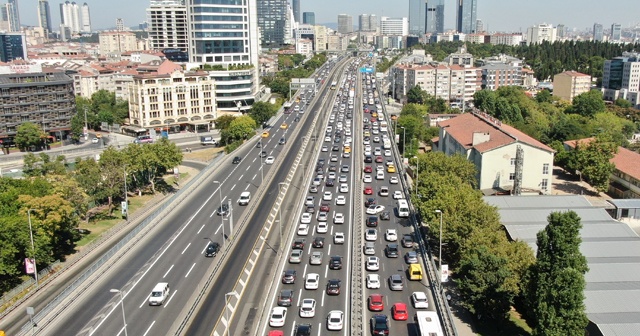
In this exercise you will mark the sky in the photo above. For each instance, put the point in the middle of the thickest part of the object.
(497, 15)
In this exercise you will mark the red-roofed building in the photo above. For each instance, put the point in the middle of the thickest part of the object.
(492, 146)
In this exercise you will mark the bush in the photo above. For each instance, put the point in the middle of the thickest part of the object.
(232, 146)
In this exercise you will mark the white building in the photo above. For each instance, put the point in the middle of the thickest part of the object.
(621, 78)
(541, 32)
(168, 25)
(320, 33)
(304, 46)
(116, 42)
(508, 39)
(70, 16)
(394, 26)
(85, 18)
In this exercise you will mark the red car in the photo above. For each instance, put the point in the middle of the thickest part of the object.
(368, 191)
(374, 119)
(276, 333)
(324, 207)
(379, 159)
(368, 169)
(399, 311)
(375, 302)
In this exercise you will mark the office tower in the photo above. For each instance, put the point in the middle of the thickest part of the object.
(373, 22)
(363, 22)
(168, 25)
(119, 24)
(434, 16)
(12, 46)
(345, 24)
(296, 10)
(13, 15)
(598, 32)
(479, 26)
(620, 79)
(541, 32)
(70, 16)
(309, 18)
(561, 31)
(394, 26)
(272, 20)
(44, 15)
(85, 18)
(466, 19)
(417, 20)
(616, 32)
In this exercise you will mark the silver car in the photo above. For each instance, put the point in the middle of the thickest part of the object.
(295, 257)
(411, 257)
(315, 258)
(396, 283)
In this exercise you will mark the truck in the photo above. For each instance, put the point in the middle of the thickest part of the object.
(386, 143)
(208, 140)
(351, 93)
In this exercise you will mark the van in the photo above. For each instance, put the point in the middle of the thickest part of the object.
(245, 197)
(159, 293)
(415, 272)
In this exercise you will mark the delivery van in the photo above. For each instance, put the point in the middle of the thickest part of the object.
(159, 294)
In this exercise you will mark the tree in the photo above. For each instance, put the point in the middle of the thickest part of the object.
(223, 121)
(112, 164)
(416, 95)
(623, 103)
(544, 96)
(89, 176)
(556, 281)
(588, 104)
(147, 161)
(29, 135)
(485, 100)
(262, 111)
(238, 129)
(41, 165)
(593, 161)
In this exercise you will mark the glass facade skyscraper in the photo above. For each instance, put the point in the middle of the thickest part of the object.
(272, 20)
(417, 17)
(466, 18)
(434, 21)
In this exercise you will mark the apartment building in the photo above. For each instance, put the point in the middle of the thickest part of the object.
(453, 83)
(168, 25)
(508, 39)
(621, 78)
(117, 42)
(394, 26)
(541, 32)
(569, 84)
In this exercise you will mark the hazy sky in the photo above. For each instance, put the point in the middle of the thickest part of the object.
(499, 15)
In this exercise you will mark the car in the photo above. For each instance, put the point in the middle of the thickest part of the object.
(311, 281)
(329, 183)
(367, 179)
(335, 320)
(296, 256)
(324, 206)
(327, 139)
(391, 169)
(310, 209)
(396, 283)
(236, 160)
(407, 240)
(313, 189)
(411, 257)
(333, 287)
(344, 188)
(318, 242)
(384, 191)
(393, 180)
(327, 196)
(368, 159)
(374, 209)
(322, 216)
(338, 238)
(289, 277)
(389, 163)
(380, 175)
(373, 281)
(335, 148)
(370, 235)
(342, 179)
(399, 311)
(303, 229)
(95, 140)
(375, 302)
(263, 154)
(338, 218)
(308, 308)
(332, 167)
(387, 153)
(376, 139)
(335, 262)
(284, 126)
(385, 215)
(368, 190)
(223, 210)
(344, 169)
(315, 258)
(212, 249)
(419, 300)
(282, 141)
(269, 160)
(334, 158)
(322, 227)
(372, 264)
(372, 221)
(325, 148)
(341, 200)
(379, 168)
(369, 202)
(368, 169)
(305, 218)
(398, 194)
(310, 200)
(379, 159)
(298, 244)
(391, 251)
(296, 119)
(391, 235)
(278, 317)
(265, 134)
(332, 175)
(317, 181)
(303, 330)
(285, 298)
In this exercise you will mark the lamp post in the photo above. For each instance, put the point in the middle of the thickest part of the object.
(33, 248)
(124, 319)
(404, 134)
(440, 250)
(417, 172)
(280, 213)
(86, 125)
(221, 217)
(226, 310)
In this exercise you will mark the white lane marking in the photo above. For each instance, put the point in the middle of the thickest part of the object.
(186, 275)
(241, 176)
(145, 301)
(254, 160)
(201, 228)
(233, 187)
(304, 271)
(205, 247)
(247, 187)
(329, 250)
(146, 332)
(164, 305)
(169, 270)
(323, 296)
(247, 168)
(218, 230)
(326, 271)
(254, 177)
(299, 297)
(186, 248)
(319, 328)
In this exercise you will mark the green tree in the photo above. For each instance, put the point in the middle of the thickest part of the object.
(485, 100)
(544, 96)
(112, 164)
(593, 161)
(262, 111)
(148, 161)
(556, 281)
(623, 103)
(88, 174)
(239, 129)
(588, 104)
(223, 121)
(29, 135)
(416, 95)
(41, 165)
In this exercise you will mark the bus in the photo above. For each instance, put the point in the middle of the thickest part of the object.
(333, 85)
(403, 208)
(386, 143)
(428, 323)
(143, 139)
(383, 126)
(287, 107)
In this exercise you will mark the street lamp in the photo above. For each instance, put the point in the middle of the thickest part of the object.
(124, 319)
(440, 250)
(280, 212)
(417, 173)
(404, 135)
(226, 309)
(86, 125)
(33, 249)
(221, 218)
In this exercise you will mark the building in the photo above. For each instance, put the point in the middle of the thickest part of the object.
(508, 39)
(569, 84)
(85, 18)
(598, 32)
(460, 57)
(616, 32)
(363, 22)
(434, 16)
(272, 20)
(345, 24)
(35, 35)
(117, 42)
(455, 84)
(304, 46)
(13, 15)
(70, 16)
(504, 156)
(44, 16)
(29, 94)
(172, 100)
(309, 18)
(541, 32)
(120, 24)
(466, 16)
(13, 46)
(561, 31)
(394, 26)
(168, 25)
(621, 78)
(373, 23)
(320, 34)
(479, 26)
(296, 10)
(417, 17)
(495, 75)
(305, 33)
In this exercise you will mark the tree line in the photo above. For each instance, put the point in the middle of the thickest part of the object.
(291, 66)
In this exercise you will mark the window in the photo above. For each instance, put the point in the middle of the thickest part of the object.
(513, 161)
(512, 176)
(544, 185)
(545, 169)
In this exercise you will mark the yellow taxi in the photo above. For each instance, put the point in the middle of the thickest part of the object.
(374, 114)
(391, 169)
(367, 133)
(265, 134)
(347, 149)
(284, 126)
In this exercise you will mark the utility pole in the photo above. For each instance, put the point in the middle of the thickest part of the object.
(86, 125)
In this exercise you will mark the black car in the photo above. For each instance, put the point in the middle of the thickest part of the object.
(370, 201)
(318, 242)
(296, 119)
(212, 249)
(236, 160)
(282, 141)
(385, 215)
(259, 144)
(333, 287)
(335, 148)
(372, 221)
(263, 154)
(285, 298)
(303, 330)
(335, 262)
(223, 210)
(298, 244)
(391, 250)
(329, 183)
(379, 324)
(368, 159)
(332, 168)
(407, 241)
(289, 276)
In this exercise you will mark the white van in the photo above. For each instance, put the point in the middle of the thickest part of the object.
(159, 293)
(245, 197)
(380, 175)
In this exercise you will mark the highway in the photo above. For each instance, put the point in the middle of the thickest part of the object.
(174, 251)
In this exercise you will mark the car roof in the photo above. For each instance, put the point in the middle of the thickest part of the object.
(376, 296)
(400, 305)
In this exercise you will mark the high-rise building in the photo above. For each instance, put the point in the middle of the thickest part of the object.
(119, 24)
(561, 31)
(272, 20)
(85, 18)
(417, 14)
(70, 16)
(44, 15)
(296, 10)
(616, 32)
(168, 25)
(12, 46)
(13, 15)
(363, 22)
(541, 32)
(394, 26)
(345, 24)
(479, 26)
(373, 22)
(620, 79)
(434, 16)
(598, 32)
(309, 18)
(466, 19)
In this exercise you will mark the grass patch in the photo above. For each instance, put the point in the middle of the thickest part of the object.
(204, 155)
(515, 326)
(171, 179)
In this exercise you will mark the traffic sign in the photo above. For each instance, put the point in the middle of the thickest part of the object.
(366, 70)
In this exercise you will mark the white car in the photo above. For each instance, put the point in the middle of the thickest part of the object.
(312, 281)
(308, 308)
(269, 160)
(325, 148)
(331, 176)
(419, 300)
(393, 180)
(380, 175)
(303, 229)
(377, 152)
(327, 196)
(342, 179)
(373, 263)
(391, 235)
(338, 238)
(344, 188)
(387, 152)
(305, 218)
(278, 317)
(370, 235)
(338, 218)
(341, 200)
(335, 320)
(375, 209)
(334, 158)
(376, 139)
(317, 181)
(327, 139)
(379, 168)
(398, 194)
(367, 152)
(322, 227)
(95, 140)
(367, 179)
(373, 281)
(322, 216)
